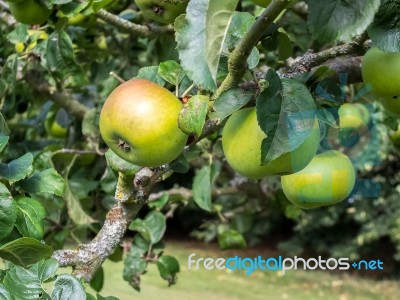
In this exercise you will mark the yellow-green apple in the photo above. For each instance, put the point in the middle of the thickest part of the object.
(328, 179)
(139, 122)
(242, 138)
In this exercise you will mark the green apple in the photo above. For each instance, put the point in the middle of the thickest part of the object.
(241, 142)
(381, 70)
(162, 11)
(53, 128)
(139, 122)
(328, 179)
(262, 3)
(352, 116)
(30, 12)
(395, 137)
(365, 115)
(391, 104)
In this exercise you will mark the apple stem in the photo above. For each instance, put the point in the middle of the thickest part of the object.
(116, 76)
(187, 91)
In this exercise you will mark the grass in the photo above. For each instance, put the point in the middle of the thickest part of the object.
(232, 285)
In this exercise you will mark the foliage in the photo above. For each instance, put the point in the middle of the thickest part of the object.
(56, 190)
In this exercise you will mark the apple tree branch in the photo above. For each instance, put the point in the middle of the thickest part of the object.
(131, 195)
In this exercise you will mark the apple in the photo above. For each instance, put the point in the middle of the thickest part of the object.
(30, 12)
(328, 179)
(139, 122)
(365, 115)
(381, 70)
(241, 142)
(353, 116)
(391, 104)
(162, 11)
(262, 3)
(53, 128)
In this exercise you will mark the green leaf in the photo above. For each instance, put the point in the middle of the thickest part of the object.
(134, 266)
(139, 226)
(180, 164)
(3, 142)
(168, 266)
(286, 113)
(68, 287)
(25, 251)
(193, 115)
(98, 280)
(156, 223)
(19, 34)
(139, 246)
(47, 181)
(219, 16)
(8, 212)
(4, 293)
(171, 72)
(27, 283)
(200, 37)
(229, 102)
(30, 218)
(385, 29)
(99, 4)
(46, 269)
(90, 297)
(17, 169)
(152, 228)
(292, 212)
(24, 283)
(4, 130)
(325, 116)
(90, 124)
(331, 20)
(106, 298)
(75, 210)
(151, 73)
(202, 186)
(160, 203)
(285, 46)
(120, 165)
(231, 239)
(59, 57)
(239, 26)
(117, 255)
(243, 222)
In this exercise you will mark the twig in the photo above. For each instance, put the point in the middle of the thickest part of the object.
(62, 98)
(75, 151)
(309, 60)
(237, 64)
(133, 28)
(188, 193)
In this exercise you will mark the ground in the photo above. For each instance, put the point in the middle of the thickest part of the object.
(226, 284)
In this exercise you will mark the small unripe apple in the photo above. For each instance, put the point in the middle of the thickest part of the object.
(53, 128)
(30, 12)
(139, 122)
(328, 179)
(365, 114)
(381, 70)
(242, 138)
(352, 116)
(162, 11)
